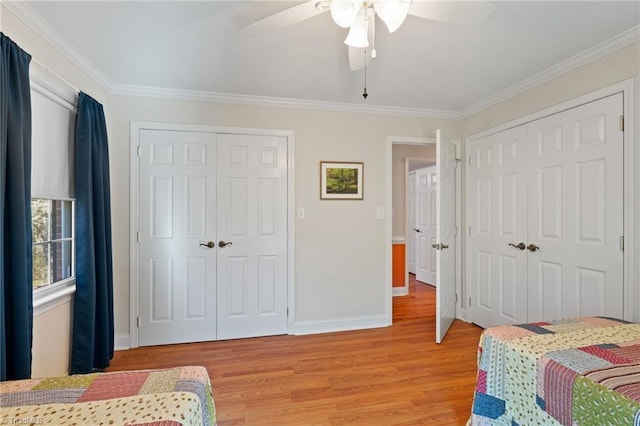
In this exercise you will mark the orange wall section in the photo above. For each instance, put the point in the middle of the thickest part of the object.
(398, 256)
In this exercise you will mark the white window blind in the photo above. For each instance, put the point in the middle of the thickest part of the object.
(53, 117)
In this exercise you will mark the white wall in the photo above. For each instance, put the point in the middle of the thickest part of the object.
(615, 67)
(51, 329)
(339, 246)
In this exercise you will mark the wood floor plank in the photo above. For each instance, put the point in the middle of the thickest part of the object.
(394, 376)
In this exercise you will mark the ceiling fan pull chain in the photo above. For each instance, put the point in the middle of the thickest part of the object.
(364, 94)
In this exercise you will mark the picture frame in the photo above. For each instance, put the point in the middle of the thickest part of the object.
(341, 180)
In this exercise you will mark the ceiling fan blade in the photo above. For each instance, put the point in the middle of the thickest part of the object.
(456, 12)
(283, 18)
(357, 59)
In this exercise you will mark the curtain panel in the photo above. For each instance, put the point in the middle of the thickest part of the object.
(16, 286)
(93, 327)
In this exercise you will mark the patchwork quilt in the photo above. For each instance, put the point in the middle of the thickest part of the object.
(584, 371)
(168, 397)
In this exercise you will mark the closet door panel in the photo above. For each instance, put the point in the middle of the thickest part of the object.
(575, 212)
(497, 218)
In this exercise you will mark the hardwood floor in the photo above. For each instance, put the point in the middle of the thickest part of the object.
(388, 376)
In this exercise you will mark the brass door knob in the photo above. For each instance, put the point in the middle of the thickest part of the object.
(520, 246)
(223, 243)
(210, 244)
(533, 247)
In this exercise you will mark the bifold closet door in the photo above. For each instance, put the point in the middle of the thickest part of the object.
(213, 236)
(546, 218)
(177, 205)
(576, 213)
(497, 225)
(252, 220)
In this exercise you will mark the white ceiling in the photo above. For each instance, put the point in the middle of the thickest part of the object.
(425, 65)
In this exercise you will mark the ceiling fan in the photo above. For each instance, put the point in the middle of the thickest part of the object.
(359, 17)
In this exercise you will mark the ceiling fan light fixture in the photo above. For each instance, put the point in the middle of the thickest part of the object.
(344, 12)
(358, 33)
(392, 12)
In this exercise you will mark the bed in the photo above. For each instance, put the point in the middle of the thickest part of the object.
(166, 397)
(584, 371)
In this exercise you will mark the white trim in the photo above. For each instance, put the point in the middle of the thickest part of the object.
(291, 232)
(52, 296)
(121, 342)
(134, 225)
(398, 240)
(461, 309)
(399, 291)
(631, 201)
(592, 54)
(345, 324)
(134, 142)
(38, 25)
(231, 98)
(631, 182)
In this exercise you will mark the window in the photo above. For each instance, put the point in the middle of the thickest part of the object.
(52, 225)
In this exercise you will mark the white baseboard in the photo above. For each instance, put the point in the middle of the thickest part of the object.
(121, 342)
(400, 291)
(346, 324)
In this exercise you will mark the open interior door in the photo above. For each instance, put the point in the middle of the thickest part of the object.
(445, 235)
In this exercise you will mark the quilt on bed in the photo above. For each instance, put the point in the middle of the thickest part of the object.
(168, 397)
(584, 371)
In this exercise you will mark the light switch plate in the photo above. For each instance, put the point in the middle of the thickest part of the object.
(300, 213)
(380, 213)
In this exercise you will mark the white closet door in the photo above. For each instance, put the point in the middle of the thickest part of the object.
(576, 213)
(556, 185)
(177, 275)
(196, 190)
(252, 205)
(498, 222)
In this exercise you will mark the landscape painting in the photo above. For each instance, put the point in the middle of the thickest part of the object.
(341, 180)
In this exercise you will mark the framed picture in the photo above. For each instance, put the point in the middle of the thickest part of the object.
(341, 180)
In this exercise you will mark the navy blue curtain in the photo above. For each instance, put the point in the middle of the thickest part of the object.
(16, 286)
(92, 341)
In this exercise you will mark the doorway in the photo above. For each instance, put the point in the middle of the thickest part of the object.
(405, 156)
(448, 244)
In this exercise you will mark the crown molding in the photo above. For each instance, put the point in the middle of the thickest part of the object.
(230, 98)
(35, 22)
(594, 53)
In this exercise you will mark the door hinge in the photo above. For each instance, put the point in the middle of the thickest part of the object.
(138, 236)
(139, 150)
(469, 301)
(456, 298)
(470, 162)
(455, 230)
(469, 231)
(622, 243)
(622, 123)
(138, 322)
(287, 311)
